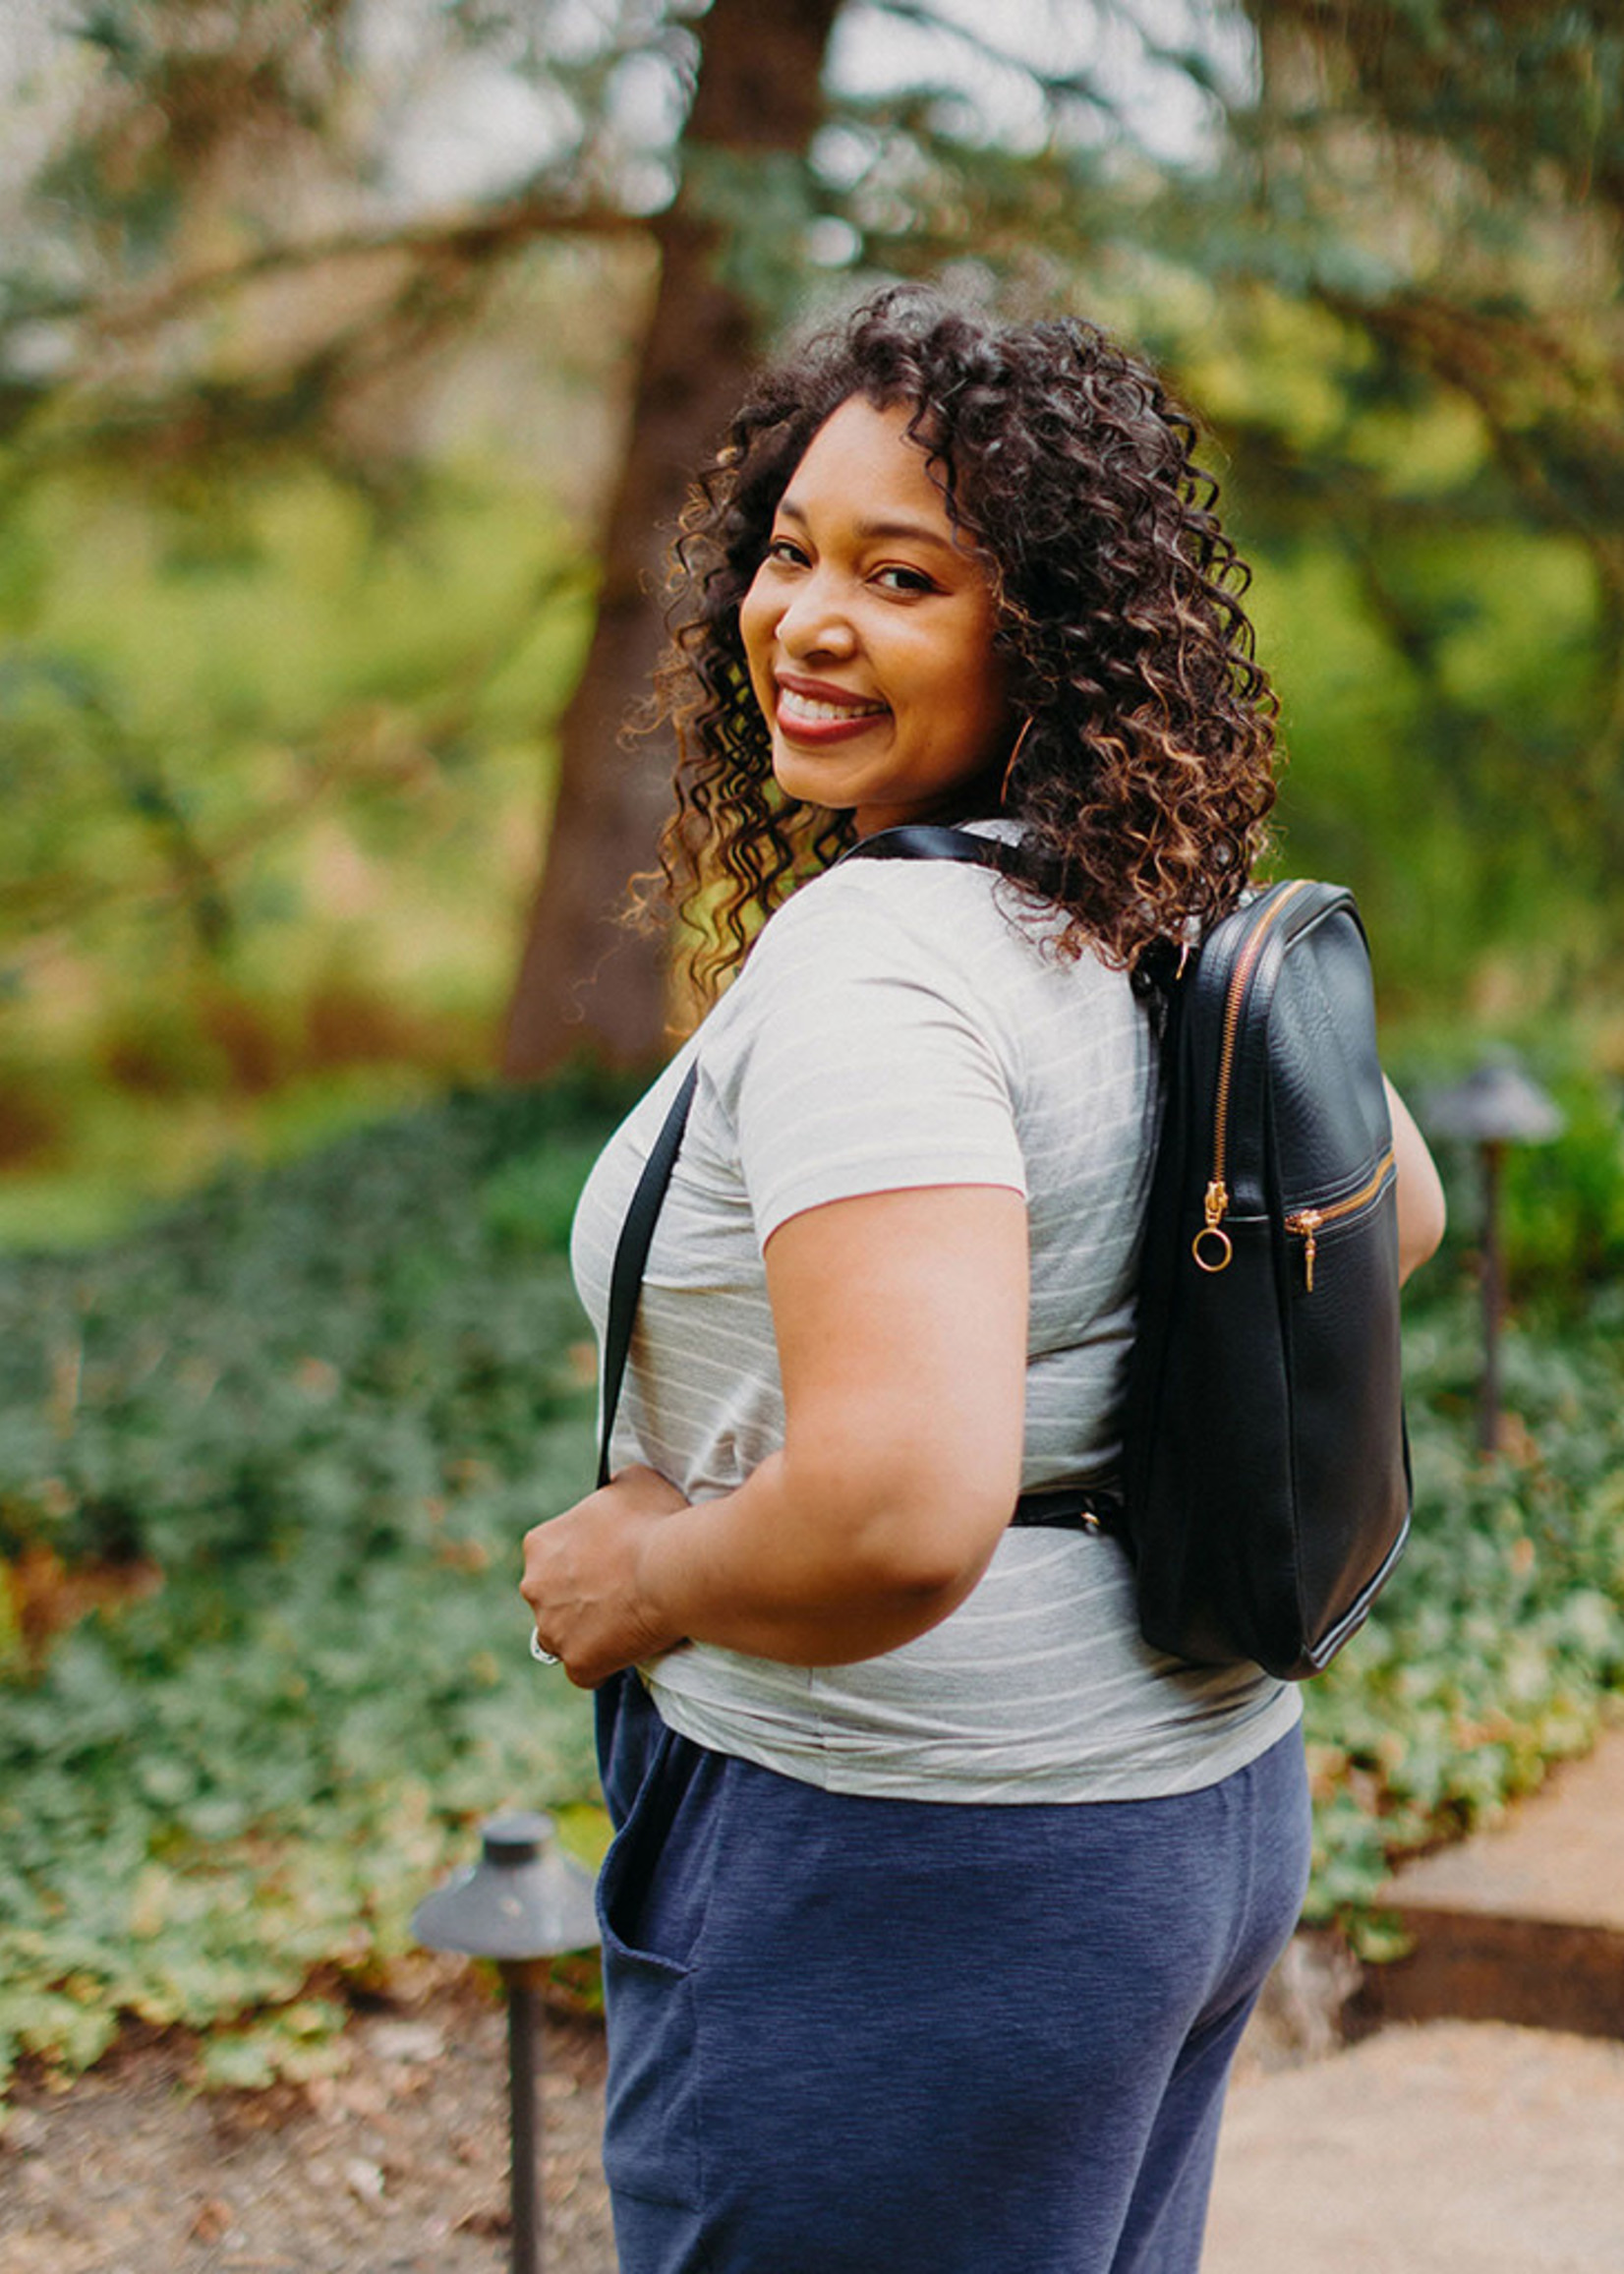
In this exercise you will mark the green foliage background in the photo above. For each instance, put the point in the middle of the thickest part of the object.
(272, 768)
(275, 761)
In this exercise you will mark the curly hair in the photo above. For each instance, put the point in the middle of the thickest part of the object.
(1144, 768)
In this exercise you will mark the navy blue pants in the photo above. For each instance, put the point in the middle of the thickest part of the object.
(858, 2036)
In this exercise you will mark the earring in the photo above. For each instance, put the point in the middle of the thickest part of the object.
(1014, 756)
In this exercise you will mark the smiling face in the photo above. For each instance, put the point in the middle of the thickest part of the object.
(868, 630)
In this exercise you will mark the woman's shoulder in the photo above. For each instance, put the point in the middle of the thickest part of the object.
(959, 923)
(907, 948)
(917, 928)
(884, 903)
(863, 957)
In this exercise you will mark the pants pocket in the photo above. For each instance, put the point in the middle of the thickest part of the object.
(651, 2117)
(653, 1893)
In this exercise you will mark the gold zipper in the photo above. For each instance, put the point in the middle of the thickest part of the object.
(1216, 1200)
(1311, 1222)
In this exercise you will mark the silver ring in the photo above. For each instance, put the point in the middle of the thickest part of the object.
(541, 1656)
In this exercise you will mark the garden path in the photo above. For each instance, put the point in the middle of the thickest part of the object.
(1488, 2142)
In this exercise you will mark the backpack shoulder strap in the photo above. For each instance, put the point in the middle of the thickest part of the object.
(631, 1253)
(934, 841)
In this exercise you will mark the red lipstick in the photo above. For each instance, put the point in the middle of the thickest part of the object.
(817, 710)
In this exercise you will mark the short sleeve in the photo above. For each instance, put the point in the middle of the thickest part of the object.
(858, 1061)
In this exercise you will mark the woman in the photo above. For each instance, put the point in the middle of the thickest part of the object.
(938, 1900)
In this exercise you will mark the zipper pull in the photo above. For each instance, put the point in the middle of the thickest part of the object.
(1215, 1257)
(1307, 1221)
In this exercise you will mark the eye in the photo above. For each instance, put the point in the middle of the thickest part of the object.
(785, 549)
(894, 579)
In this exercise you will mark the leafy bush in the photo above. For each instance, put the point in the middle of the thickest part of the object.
(1565, 1201)
(325, 1403)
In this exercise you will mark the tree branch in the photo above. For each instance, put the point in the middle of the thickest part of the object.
(1484, 358)
(466, 238)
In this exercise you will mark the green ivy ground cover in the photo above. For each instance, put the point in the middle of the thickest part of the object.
(327, 1402)
(1499, 1645)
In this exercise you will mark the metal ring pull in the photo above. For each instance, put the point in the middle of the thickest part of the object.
(1211, 1262)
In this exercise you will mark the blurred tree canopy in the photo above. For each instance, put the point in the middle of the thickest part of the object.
(253, 250)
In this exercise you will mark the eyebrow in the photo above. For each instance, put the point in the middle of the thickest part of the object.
(907, 532)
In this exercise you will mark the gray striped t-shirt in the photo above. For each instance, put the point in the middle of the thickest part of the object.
(891, 1029)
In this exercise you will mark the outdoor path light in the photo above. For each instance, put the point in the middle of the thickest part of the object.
(1495, 1106)
(522, 1904)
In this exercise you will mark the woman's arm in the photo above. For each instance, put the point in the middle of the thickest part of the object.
(1422, 1213)
(900, 1321)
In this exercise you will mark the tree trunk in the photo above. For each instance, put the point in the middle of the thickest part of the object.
(585, 984)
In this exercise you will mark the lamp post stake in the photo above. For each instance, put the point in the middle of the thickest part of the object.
(1495, 1106)
(524, 2133)
(1493, 1154)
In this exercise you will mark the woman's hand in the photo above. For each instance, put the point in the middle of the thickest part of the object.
(582, 1577)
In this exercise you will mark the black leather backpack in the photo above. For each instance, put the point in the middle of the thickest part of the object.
(1266, 1484)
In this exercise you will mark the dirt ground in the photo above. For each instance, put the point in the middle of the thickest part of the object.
(397, 2166)
(1451, 2148)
